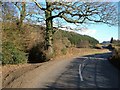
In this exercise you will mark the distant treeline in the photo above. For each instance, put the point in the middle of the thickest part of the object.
(76, 38)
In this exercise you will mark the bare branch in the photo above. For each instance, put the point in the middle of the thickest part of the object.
(39, 5)
(79, 12)
(71, 20)
(17, 5)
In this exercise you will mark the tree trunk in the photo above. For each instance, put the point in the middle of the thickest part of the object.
(49, 30)
(22, 16)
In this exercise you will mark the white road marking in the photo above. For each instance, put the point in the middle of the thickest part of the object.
(93, 58)
(80, 67)
(80, 72)
(85, 62)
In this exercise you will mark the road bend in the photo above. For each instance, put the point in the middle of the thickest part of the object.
(90, 71)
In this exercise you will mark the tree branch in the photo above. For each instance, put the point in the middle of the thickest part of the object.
(39, 5)
(17, 6)
(71, 20)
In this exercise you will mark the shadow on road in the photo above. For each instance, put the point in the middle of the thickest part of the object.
(98, 73)
(69, 78)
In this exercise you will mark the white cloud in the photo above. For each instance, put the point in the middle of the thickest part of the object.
(87, 32)
(81, 30)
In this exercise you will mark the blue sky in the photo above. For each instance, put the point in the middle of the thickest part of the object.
(101, 32)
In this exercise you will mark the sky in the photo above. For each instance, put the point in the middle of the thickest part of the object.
(60, 0)
(82, 0)
(101, 32)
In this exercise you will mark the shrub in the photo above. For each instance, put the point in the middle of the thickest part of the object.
(37, 54)
(12, 55)
(83, 44)
(115, 60)
(0, 58)
(110, 47)
(97, 46)
(64, 51)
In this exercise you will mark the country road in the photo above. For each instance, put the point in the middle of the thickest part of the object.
(91, 71)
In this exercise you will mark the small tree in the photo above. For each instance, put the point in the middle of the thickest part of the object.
(21, 7)
(111, 41)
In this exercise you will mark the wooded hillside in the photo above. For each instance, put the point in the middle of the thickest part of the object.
(27, 45)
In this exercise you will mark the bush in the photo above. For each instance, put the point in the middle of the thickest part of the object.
(83, 44)
(115, 60)
(37, 54)
(97, 46)
(110, 47)
(64, 51)
(12, 55)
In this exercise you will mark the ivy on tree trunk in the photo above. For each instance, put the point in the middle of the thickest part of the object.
(49, 30)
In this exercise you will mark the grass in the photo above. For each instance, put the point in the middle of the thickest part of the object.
(77, 52)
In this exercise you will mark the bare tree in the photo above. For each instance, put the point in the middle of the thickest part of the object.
(76, 13)
(8, 12)
(20, 12)
(21, 7)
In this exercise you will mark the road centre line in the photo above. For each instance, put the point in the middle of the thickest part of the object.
(80, 72)
(80, 68)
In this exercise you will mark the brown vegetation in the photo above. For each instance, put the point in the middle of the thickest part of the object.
(115, 59)
(30, 41)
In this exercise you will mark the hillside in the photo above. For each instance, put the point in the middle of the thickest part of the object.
(75, 38)
(28, 45)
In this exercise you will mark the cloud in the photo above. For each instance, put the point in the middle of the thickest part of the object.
(87, 32)
(81, 30)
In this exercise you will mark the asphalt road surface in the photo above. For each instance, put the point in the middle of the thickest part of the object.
(92, 71)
